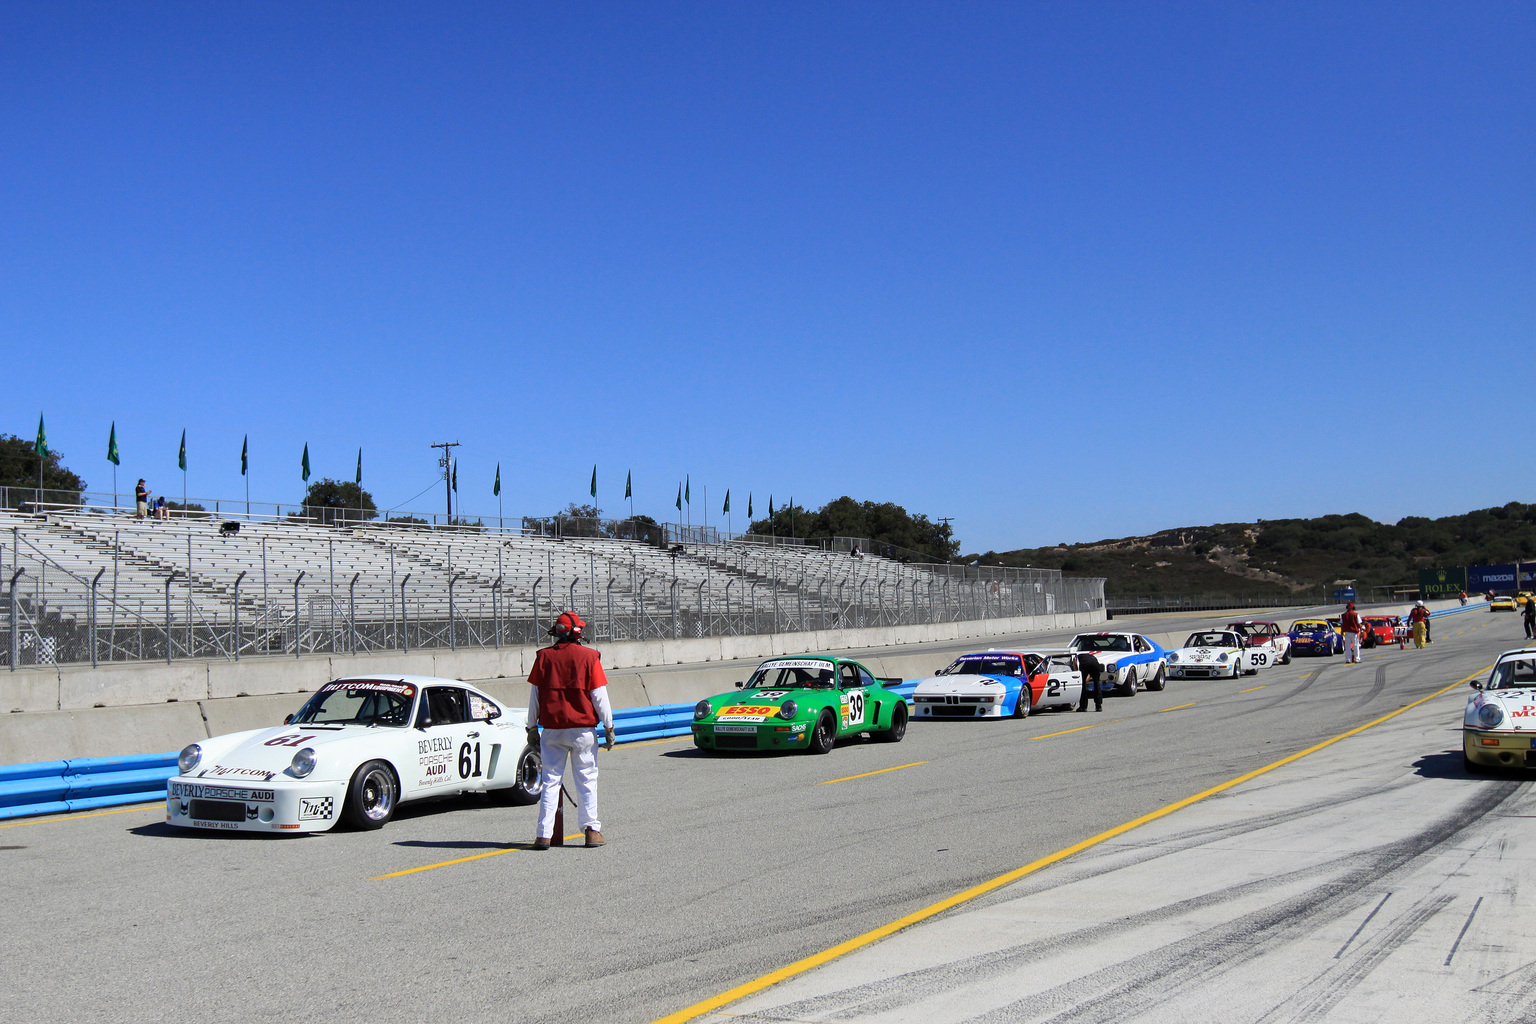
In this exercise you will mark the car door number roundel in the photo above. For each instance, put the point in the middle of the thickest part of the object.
(853, 708)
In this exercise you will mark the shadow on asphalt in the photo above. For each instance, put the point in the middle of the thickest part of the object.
(1447, 765)
(160, 830)
(463, 844)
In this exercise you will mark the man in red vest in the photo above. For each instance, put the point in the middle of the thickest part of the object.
(1349, 622)
(570, 694)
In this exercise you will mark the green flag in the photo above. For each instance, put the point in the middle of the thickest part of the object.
(679, 497)
(41, 447)
(727, 507)
(181, 456)
(770, 506)
(112, 455)
(749, 504)
(594, 480)
(627, 478)
(305, 464)
(245, 454)
(455, 476)
(496, 487)
(359, 467)
(687, 489)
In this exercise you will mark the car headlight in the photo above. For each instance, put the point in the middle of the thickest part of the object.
(303, 763)
(189, 758)
(789, 709)
(701, 710)
(1489, 715)
(1172, 658)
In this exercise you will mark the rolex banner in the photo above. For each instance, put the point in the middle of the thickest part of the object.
(1442, 582)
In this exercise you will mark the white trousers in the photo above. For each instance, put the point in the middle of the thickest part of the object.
(1351, 646)
(580, 745)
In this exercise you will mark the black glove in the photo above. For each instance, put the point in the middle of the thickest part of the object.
(533, 735)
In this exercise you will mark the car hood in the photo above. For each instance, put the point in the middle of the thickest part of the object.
(265, 754)
(939, 686)
(1204, 655)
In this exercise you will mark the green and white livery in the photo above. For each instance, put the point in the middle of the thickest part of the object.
(801, 703)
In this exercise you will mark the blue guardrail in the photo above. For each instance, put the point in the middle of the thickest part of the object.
(80, 784)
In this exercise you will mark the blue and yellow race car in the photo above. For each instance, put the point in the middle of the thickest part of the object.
(1315, 636)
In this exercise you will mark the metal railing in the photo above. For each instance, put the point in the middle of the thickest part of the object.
(96, 588)
(1120, 604)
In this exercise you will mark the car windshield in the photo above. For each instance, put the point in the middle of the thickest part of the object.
(1211, 640)
(1102, 642)
(1243, 628)
(1377, 620)
(1516, 672)
(793, 675)
(1307, 626)
(983, 667)
(359, 702)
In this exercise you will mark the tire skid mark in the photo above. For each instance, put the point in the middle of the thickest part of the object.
(1272, 702)
(1375, 690)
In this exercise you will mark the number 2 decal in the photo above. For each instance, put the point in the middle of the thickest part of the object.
(1053, 688)
(856, 707)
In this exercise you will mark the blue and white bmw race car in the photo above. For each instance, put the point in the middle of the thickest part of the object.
(1131, 661)
(999, 684)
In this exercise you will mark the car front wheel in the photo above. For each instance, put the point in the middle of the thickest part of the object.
(1156, 683)
(824, 735)
(898, 727)
(372, 795)
(1128, 688)
(1021, 707)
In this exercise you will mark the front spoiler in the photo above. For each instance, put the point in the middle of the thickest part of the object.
(286, 806)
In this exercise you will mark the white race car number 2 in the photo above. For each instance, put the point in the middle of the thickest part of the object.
(855, 707)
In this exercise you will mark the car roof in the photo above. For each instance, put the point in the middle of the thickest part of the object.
(397, 678)
(1529, 651)
(1253, 622)
(1304, 622)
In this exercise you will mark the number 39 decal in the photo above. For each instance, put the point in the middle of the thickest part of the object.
(856, 707)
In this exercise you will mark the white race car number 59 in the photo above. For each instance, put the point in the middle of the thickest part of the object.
(1260, 658)
(856, 707)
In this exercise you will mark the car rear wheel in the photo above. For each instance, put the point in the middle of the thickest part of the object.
(530, 780)
(1156, 683)
(371, 796)
(898, 727)
(824, 734)
(1285, 659)
(1021, 707)
(1128, 688)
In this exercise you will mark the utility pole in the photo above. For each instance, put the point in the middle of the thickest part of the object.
(447, 463)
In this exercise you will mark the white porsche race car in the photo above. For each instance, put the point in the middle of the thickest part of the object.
(1212, 654)
(357, 749)
(1498, 728)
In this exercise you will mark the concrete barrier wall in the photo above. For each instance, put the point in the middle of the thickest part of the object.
(141, 708)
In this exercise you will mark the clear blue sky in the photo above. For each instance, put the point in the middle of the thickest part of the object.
(1061, 272)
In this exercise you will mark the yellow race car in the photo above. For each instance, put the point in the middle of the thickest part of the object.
(1502, 603)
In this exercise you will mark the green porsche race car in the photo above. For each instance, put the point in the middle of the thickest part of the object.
(801, 703)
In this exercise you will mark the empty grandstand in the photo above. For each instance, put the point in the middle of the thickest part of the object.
(92, 584)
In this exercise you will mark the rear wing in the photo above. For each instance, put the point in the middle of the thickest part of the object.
(888, 681)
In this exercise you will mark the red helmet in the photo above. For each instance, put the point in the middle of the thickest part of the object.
(569, 624)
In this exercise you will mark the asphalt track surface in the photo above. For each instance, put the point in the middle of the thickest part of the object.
(723, 869)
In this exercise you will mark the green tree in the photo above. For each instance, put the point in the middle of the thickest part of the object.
(880, 522)
(18, 473)
(338, 501)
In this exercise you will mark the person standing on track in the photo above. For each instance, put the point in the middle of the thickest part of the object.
(1530, 616)
(1349, 622)
(1092, 672)
(1419, 620)
(570, 694)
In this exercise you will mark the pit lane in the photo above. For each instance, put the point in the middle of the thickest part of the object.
(721, 869)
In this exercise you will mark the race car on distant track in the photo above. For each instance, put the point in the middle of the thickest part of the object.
(1213, 654)
(1130, 661)
(999, 684)
(1502, 603)
(801, 703)
(1315, 636)
(1379, 629)
(1271, 644)
(357, 749)
(1498, 728)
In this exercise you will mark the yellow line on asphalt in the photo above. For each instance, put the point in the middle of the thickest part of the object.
(461, 860)
(1080, 728)
(1252, 688)
(865, 775)
(1180, 707)
(73, 817)
(860, 941)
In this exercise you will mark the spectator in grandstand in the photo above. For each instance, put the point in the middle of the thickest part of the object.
(856, 553)
(1092, 672)
(1349, 622)
(161, 512)
(141, 500)
(1419, 620)
(570, 694)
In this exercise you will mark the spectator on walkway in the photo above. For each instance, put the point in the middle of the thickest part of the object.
(1530, 617)
(140, 500)
(1419, 620)
(1349, 622)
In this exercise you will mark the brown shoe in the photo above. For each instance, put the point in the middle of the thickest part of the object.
(595, 838)
(540, 844)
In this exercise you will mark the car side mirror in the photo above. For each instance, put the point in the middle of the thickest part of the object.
(1476, 684)
(424, 722)
(288, 720)
(741, 686)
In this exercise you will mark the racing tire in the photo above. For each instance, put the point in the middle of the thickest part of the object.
(824, 734)
(1157, 682)
(1128, 688)
(530, 782)
(1237, 671)
(1023, 706)
(372, 796)
(898, 727)
(1286, 658)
